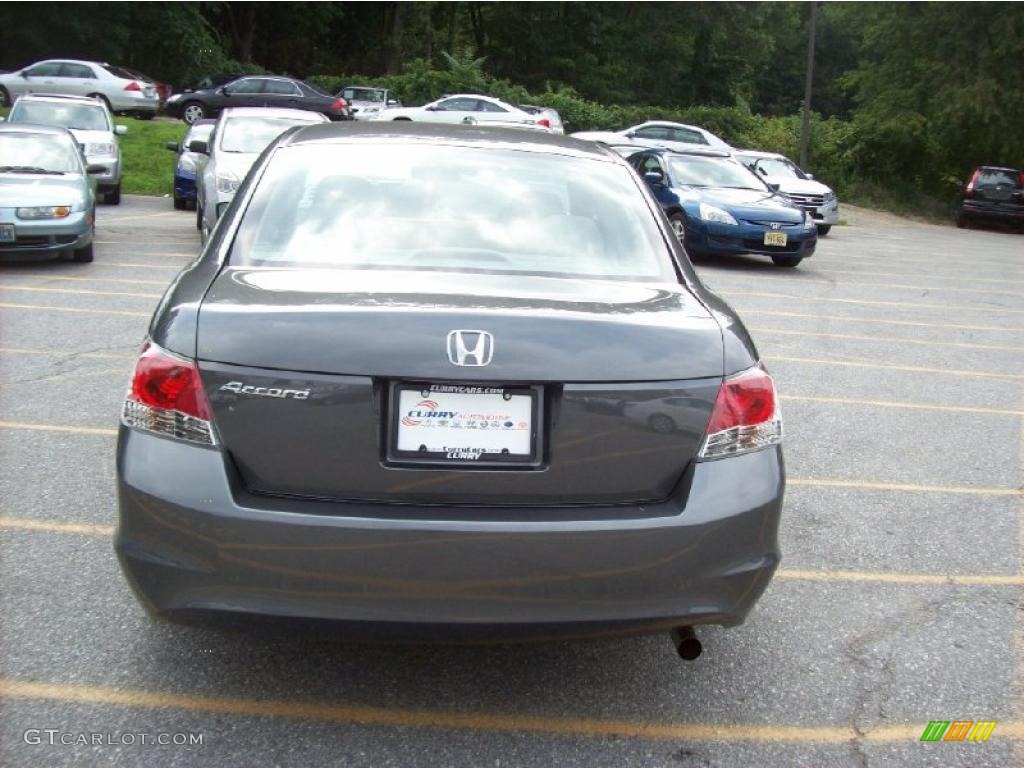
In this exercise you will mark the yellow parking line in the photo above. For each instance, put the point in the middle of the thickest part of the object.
(879, 303)
(854, 319)
(397, 717)
(134, 265)
(64, 352)
(125, 281)
(886, 339)
(85, 529)
(9, 305)
(898, 404)
(836, 284)
(964, 277)
(106, 432)
(894, 367)
(81, 291)
(877, 577)
(821, 482)
(100, 220)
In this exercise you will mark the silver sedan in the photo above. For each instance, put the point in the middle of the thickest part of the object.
(47, 198)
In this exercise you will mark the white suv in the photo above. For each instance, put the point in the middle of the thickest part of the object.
(93, 127)
(119, 88)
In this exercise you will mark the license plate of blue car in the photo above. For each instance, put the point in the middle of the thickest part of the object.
(775, 238)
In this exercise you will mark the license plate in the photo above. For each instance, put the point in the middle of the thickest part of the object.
(464, 424)
(775, 238)
(7, 233)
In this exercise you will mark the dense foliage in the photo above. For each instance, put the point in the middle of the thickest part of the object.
(908, 96)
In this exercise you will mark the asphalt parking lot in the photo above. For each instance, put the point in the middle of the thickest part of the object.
(899, 354)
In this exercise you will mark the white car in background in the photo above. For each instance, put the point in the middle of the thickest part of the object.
(468, 109)
(120, 89)
(239, 136)
(657, 133)
(799, 186)
(92, 125)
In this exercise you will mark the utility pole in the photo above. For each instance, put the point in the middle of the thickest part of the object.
(805, 127)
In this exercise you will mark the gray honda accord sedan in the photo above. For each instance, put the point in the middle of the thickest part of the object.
(452, 380)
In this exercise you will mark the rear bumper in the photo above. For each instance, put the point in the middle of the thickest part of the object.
(189, 540)
(134, 101)
(993, 211)
(184, 187)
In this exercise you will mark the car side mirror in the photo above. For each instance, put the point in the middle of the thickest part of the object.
(173, 146)
(120, 130)
(809, 176)
(631, 135)
(432, 108)
(223, 91)
(24, 74)
(93, 170)
(394, 102)
(773, 187)
(199, 146)
(655, 178)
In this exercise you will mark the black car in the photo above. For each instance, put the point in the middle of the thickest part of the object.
(992, 194)
(256, 91)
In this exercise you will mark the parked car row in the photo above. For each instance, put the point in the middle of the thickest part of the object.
(122, 90)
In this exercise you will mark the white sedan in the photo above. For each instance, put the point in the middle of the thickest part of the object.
(119, 89)
(468, 109)
(657, 133)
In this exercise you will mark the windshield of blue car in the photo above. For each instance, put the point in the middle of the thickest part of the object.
(454, 209)
(85, 117)
(251, 135)
(720, 172)
(37, 152)
(775, 167)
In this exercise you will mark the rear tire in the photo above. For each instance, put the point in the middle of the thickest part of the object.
(961, 220)
(5, 97)
(180, 204)
(402, 119)
(824, 229)
(82, 255)
(787, 261)
(113, 198)
(199, 217)
(145, 115)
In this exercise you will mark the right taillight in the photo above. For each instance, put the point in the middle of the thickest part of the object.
(745, 417)
(166, 397)
(544, 123)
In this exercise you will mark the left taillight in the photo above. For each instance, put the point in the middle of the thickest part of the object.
(745, 417)
(133, 86)
(339, 103)
(166, 397)
(544, 123)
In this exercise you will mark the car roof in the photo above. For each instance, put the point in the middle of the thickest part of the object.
(269, 112)
(669, 124)
(61, 97)
(695, 151)
(759, 153)
(34, 128)
(403, 132)
(997, 168)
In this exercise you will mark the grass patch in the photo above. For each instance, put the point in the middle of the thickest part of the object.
(901, 199)
(148, 168)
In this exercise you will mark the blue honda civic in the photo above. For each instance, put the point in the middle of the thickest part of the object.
(189, 164)
(717, 206)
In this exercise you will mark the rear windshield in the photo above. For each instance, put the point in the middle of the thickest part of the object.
(455, 209)
(773, 166)
(124, 74)
(251, 135)
(363, 94)
(994, 177)
(86, 117)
